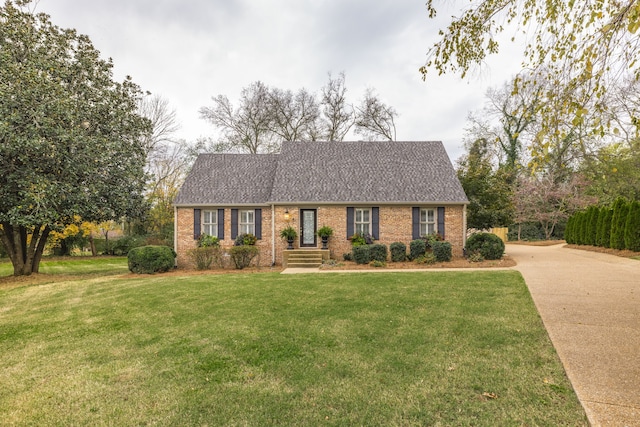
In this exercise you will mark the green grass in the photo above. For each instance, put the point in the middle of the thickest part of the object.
(75, 266)
(403, 349)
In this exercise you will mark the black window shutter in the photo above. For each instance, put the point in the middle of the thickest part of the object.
(234, 223)
(375, 223)
(196, 224)
(221, 224)
(441, 222)
(258, 219)
(351, 218)
(415, 223)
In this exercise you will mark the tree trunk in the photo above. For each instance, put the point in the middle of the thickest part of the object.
(92, 245)
(25, 255)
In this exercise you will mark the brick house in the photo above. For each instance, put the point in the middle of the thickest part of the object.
(395, 191)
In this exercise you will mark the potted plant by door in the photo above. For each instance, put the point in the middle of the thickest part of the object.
(324, 233)
(289, 234)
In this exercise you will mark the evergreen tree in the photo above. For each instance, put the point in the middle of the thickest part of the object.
(606, 228)
(618, 222)
(632, 227)
(599, 228)
(592, 223)
(568, 231)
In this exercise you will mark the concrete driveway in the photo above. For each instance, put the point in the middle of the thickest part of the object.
(590, 305)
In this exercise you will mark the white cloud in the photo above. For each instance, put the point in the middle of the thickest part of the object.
(190, 51)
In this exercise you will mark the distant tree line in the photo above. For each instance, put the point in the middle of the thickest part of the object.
(265, 116)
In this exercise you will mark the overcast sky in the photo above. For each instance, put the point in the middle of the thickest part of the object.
(188, 51)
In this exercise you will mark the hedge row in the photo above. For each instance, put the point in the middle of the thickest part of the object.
(616, 226)
(364, 254)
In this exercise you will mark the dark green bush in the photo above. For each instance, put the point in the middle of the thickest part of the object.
(398, 252)
(362, 254)
(488, 245)
(441, 251)
(347, 256)
(242, 255)
(151, 259)
(378, 252)
(124, 244)
(529, 231)
(417, 248)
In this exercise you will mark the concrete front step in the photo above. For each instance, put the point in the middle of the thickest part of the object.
(304, 258)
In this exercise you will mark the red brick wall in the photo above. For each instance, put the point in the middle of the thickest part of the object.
(184, 235)
(395, 226)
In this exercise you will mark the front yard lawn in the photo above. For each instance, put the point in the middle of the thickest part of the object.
(403, 349)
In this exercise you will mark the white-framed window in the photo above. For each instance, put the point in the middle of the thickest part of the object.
(247, 222)
(362, 221)
(427, 221)
(210, 223)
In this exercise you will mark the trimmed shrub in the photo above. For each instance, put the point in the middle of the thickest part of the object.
(417, 248)
(203, 258)
(618, 223)
(378, 252)
(151, 259)
(441, 251)
(487, 244)
(347, 256)
(398, 252)
(243, 255)
(632, 227)
(362, 254)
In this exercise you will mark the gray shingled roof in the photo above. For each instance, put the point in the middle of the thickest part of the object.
(346, 172)
(327, 172)
(229, 179)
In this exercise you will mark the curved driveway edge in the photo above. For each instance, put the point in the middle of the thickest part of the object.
(590, 305)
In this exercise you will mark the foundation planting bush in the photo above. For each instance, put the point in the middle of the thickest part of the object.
(488, 245)
(417, 248)
(441, 251)
(378, 252)
(241, 256)
(362, 254)
(398, 252)
(151, 259)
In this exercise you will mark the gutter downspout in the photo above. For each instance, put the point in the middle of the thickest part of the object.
(273, 235)
(175, 234)
(464, 227)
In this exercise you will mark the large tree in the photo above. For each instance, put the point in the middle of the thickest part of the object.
(582, 45)
(488, 190)
(375, 119)
(71, 140)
